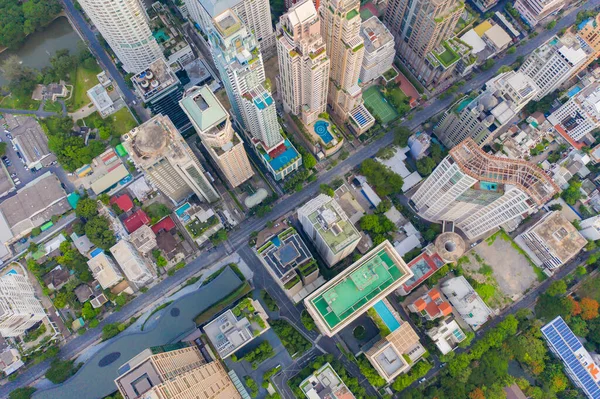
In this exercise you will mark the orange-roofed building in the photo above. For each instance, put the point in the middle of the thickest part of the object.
(431, 305)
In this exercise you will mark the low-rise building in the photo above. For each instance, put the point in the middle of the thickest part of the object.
(137, 269)
(431, 305)
(325, 383)
(135, 221)
(31, 143)
(497, 38)
(83, 292)
(446, 335)
(104, 173)
(422, 267)
(83, 244)
(236, 327)
(328, 227)
(144, 239)
(10, 358)
(101, 100)
(467, 302)
(534, 11)
(552, 241)
(104, 269)
(56, 278)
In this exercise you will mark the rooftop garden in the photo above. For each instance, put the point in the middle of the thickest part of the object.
(448, 56)
(308, 268)
(197, 228)
(292, 283)
(247, 310)
(351, 14)
(384, 331)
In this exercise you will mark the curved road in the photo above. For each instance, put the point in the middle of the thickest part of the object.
(239, 237)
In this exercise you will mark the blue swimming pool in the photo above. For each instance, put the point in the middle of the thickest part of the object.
(181, 210)
(283, 159)
(488, 186)
(276, 241)
(386, 315)
(322, 130)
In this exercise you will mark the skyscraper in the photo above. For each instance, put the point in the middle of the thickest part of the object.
(379, 49)
(158, 149)
(240, 65)
(303, 63)
(419, 27)
(177, 371)
(211, 121)
(479, 117)
(555, 61)
(589, 32)
(533, 11)
(340, 28)
(124, 26)
(161, 90)
(255, 14)
(479, 192)
(19, 308)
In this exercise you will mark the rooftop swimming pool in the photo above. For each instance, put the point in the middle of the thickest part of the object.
(488, 186)
(181, 210)
(283, 159)
(321, 128)
(386, 315)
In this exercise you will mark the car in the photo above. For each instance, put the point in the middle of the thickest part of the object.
(13, 175)
(442, 365)
(9, 136)
(422, 380)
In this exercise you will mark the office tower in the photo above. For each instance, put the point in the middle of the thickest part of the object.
(211, 121)
(340, 28)
(240, 65)
(328, 227)
(303, 63)
(255, 14)
(555, 61)
(19, 307)
(379, 49)
(161, 90)
(174, 371)
(579, 116)
(158, 149)
(477, 118)
(419, 27)
(124, 26)
(534, 11)
(479, 192)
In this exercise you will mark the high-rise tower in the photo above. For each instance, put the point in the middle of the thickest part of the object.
(19, 308)
(211, 121)
(124, 26)
(340, 28)
(303, 63)
(420, 27)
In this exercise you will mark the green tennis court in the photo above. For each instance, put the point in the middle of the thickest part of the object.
(374, 100)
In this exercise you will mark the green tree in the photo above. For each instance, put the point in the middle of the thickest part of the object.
(425, 166)
(548, 307)
(99, 232)
(3, 148)
(88, 312)
(558, 287)
(63, 64)
(572, 194)
(87, 208)
(61, 299)
(326, 189)
(21, 79)
(309, 161)
(511, 50)
(385, 181)
(401, 136)
(22, 393)
(60, 371)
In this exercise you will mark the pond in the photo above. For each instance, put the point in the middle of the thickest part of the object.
(39, 46)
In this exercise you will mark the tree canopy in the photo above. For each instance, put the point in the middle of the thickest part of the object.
(19, 19)
(384, 181)
(99, 232)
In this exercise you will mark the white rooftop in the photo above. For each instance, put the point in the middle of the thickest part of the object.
(473, 40)
(573, 55)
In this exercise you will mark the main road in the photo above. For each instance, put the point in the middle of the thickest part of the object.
(239, 237)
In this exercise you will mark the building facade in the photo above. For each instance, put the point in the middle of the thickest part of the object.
(340, 28)
(379, 49)
(579, 116)
(212, 123)
(182, 372)
(160, 151)
(551, 64)
(161, 91)
(479, 192)
(419, 27)
(477, 118)
(19, 307)
(329, 228)
(124, 26)
(303, 62)
(534, 11)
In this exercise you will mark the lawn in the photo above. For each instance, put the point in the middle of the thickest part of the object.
(17, 102)
(375, 101)
(85, 79)
(398, 95)
(590, 288)
(209, 313)
(53, 106)
(122, 121)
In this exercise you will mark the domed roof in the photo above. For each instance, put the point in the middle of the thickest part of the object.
(151, 140)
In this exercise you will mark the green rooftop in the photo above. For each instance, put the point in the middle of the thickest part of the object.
(337, 231)
(448, 56)
(351, 14)
(357, 288)
(203, 108)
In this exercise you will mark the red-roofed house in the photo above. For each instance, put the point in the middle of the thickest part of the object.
(135, 221)
(166, 224)
(124, 202)
(431, 305)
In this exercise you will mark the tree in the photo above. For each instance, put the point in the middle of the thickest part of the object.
(488, 64)
(161, 261)
(425, 166)
(121, 299)
(39, 13)
(61, 299)
(325, 189)
(2, 148)
(22, 393)
(401, 136)
(99, 233)
(309, 161)
(530, 349)
(385, 181)
(551, 25)
(86, 208)
(511, 50)
(589, 309)
(60, 371)
(554, 379)
(63, 64)
(218, 237)
(477, 393)
(548, 307)
(88, 312)
(572, 194)
(575, 306)
(558, 287)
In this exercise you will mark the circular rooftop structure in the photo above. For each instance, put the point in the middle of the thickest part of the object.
(450, 246)
(151, 140)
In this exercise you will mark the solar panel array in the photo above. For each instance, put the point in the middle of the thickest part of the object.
(565, 343)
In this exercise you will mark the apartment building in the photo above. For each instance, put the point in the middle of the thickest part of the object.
(379, 49)
(137, 269)
(534, 11)
(19, 307)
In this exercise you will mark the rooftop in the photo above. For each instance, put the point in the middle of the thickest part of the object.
(375, 34)
(124, 202)
(478, 164)
(466, 301)
(285, 252)
(103, 269)
(498, 36)
(30, 139)
(227, 23)
(422, 267)
(135, 221)
(153, 80)
(358, 287)
(325, 383)
(203, 108)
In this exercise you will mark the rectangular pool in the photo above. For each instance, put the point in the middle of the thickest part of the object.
(283, 159)
(386, 315)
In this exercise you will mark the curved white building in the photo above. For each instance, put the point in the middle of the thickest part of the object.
(124, 26)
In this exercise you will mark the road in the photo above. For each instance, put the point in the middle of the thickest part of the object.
(239, 237)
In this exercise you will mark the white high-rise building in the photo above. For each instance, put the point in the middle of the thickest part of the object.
(124, 26)
(579, 116)
(379, 49)
(303, 63)
(211, 121)
(255, 14)
(160, 151)
(240, 65)
(479, 192)
(19, 308)
(555, 61)
(534, 11)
